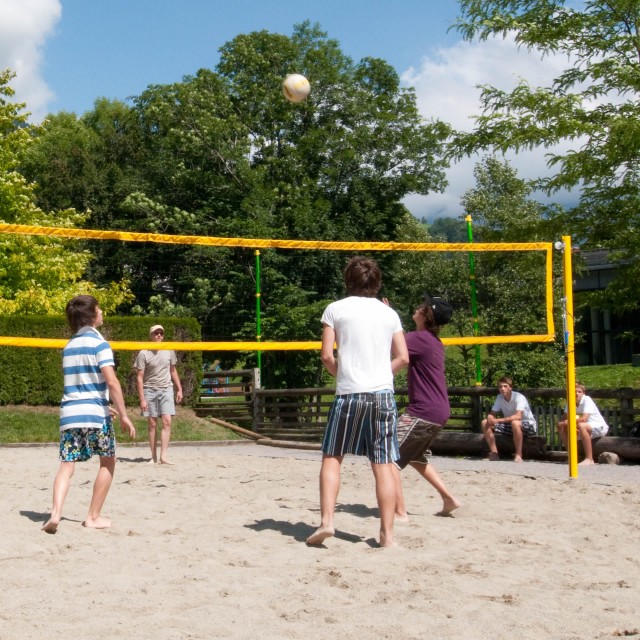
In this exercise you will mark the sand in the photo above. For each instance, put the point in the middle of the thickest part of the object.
(214, 548)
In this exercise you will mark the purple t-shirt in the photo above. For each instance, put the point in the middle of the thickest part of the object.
(428, 397)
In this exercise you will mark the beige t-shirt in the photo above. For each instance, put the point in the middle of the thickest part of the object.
(155, 365)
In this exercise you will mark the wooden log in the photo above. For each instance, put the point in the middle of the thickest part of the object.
(473, 444)
(237, 429)
(288, 444)
(626, 448)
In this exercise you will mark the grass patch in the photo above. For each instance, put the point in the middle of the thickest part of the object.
(20, 423)
(614, 376)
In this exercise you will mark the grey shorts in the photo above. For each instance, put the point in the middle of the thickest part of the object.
(160, 402)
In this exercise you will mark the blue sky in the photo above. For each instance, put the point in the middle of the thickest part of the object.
(118, 47)
(67, 53)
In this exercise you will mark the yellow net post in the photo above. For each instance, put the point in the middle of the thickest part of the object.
(570, 355)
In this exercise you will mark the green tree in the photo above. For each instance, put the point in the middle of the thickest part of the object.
(592, 105)
(449, 229)
(38, 274)
(511, 285)
(223, 153)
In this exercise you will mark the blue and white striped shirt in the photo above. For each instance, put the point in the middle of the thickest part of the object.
(85, 403)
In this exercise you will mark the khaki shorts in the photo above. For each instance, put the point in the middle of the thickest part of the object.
(415, 437)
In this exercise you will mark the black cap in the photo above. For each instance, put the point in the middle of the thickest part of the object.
(442, 310)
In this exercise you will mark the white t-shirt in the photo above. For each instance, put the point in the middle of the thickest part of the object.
(364, 330)
(587, 405)
(517, 403)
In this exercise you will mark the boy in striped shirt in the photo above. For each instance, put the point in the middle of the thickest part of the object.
(86, 428)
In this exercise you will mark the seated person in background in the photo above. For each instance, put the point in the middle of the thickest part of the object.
(517, 419)
(589, 422)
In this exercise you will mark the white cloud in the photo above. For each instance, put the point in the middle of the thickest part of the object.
(446, 85)
(25, 26)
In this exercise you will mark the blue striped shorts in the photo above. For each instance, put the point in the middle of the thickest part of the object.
(363, 424)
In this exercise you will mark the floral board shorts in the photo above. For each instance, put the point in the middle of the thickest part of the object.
(80, 444)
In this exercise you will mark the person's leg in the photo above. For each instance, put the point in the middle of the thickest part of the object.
(152, 424)
(101, 486)
(401, 510)
(329, 488)
(60, 489)
(516, 430)
(429, 473)
(490, 439)
(386, 496)
(562, 432)
(585, 435)
(165, 437)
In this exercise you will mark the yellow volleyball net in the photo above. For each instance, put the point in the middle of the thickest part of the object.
(262, 243)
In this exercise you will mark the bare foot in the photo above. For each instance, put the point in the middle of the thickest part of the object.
(401, 517)
(152, 461)
(586, 462)
(387, 543)
(449, 505)
(493, 456)
(171, 464)
(320, 535)
(517, 459)
(97, 523)
(50, 526)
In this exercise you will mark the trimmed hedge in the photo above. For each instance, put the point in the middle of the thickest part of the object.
(34, 376)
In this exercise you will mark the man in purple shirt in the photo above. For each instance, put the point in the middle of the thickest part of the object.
(428, 409)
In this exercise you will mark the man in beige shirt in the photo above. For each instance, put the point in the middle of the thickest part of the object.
(156, 380)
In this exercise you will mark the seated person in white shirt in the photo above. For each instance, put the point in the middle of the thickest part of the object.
(517, 420)
(589, 422)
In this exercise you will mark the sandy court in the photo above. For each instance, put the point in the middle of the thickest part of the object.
(214, 548)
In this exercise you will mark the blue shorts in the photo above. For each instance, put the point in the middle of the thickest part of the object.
(80, 444)
(364, 424)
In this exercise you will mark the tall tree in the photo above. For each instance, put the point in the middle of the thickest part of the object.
(511, 285)
(592, 105)
(38, 275)
(223, 153)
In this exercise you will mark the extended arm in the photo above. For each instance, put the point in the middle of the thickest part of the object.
(176, 382)
(140, 387)
(399, 352)
(115, 393)
(326, 353)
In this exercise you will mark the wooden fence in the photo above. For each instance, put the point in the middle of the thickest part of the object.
(301, 414)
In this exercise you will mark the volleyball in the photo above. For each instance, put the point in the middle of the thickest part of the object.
(295, 87)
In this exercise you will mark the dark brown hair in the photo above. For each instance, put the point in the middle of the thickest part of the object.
(81, 312)
(430, 323)
(362, 277)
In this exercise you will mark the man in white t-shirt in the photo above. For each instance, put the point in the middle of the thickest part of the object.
(156, 379)
(589, 422)
(517, 419)
(363, 416)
